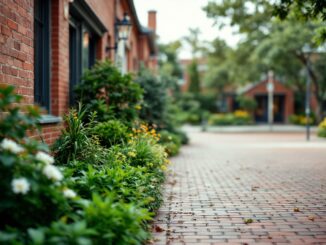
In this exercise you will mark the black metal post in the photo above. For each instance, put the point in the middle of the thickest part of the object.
(308, 102)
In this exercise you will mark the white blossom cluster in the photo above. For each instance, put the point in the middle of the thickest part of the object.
(12, 146)
(45, 158)
(21, 185)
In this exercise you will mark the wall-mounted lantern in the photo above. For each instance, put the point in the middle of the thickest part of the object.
(123, 29)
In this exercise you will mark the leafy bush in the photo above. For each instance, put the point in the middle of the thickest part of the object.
(76, 141)
(171, 142)
(129, 184)
(117, 191)
(116, 222)
(142, 150)
(112, 95)
(111, 132)
(34, 192)
(301, 119)
(322, 128)
(181, 135)
(14, 123)
(190, 109)
(247, 103)
(236, 118)
(154, 107)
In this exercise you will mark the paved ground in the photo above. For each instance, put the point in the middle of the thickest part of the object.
(221, 181)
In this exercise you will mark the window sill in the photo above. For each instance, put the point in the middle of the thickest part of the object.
(49, 119)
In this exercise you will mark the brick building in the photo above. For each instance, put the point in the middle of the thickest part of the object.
(283, 100)
(45, 45)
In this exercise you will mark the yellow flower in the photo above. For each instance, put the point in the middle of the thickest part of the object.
(323, 124)
(241, 113)
(131, 154)
(167, 161)
(137, 107)
(164, 168)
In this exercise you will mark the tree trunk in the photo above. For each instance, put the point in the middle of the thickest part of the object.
(315, 83)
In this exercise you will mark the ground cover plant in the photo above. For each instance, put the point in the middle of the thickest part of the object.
(322, 129)
(301, 119)
(237, 118)
(88, 193)
(100, 183)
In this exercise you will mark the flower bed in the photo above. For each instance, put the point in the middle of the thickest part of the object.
(322, 129)
(301, 120)
(102, 186)
(237, 118)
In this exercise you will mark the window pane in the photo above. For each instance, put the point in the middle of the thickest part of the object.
(85, 48)
(42, 53)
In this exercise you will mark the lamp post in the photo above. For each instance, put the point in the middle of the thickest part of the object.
(270, 90)
(307, 51)
(122, 29)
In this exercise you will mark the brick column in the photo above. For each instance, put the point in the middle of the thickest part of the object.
(60, 59)
(16, 47)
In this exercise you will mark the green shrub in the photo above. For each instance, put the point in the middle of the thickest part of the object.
(171, 142)
(111, 132)
(236, 118)
(322, 128)
(181, 135)
(61, 232)
(33, 190)
(117, 188)
(154, 107)
(301, 119)
(247, 103)
(116, 222)
(129, 184)
(112, 95)
(76, 141)
(140, 152)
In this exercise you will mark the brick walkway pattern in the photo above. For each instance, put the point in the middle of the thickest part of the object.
(245, 189)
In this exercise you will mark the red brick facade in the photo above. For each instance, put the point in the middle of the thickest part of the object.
(17, 51)
(279, 89)
(16, 46)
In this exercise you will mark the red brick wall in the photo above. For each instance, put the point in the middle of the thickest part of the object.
(16, 47)
(105, 10)
(60, 59)
(279, 88)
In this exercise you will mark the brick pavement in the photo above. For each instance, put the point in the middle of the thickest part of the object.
(221, 181)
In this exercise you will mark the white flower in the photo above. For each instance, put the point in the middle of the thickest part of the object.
(20, 185)
(45, 158)
(68, 193)
(11, 145)
(52, 173)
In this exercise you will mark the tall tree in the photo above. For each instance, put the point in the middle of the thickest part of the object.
(194, 77)
(270, 42)
(193, 41)
(304, 10)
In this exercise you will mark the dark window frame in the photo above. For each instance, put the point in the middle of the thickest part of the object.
(82, 18)
(77, 27)
(42, 53)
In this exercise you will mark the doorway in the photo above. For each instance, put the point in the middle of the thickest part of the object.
(261, 112)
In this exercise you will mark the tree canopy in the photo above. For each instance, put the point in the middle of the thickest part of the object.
(266, 43)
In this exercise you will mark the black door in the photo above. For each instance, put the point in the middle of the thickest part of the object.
(261, 112)
(279, 108)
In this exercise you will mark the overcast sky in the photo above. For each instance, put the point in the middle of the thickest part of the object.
(175, 17)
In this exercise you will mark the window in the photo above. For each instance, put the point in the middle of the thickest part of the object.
(82, 53)
(42, 53)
